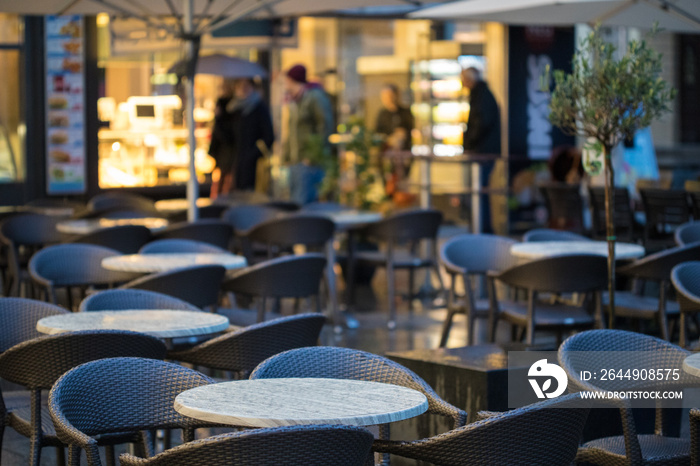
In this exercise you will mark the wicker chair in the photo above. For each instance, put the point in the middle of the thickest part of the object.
(36, 364)
(469, 256)
(292, 446)
(544, 433)
(122, 394)
(586, 274)
(407, 227)
(181, 245)
(665, 210)
(118, 300)
(241, 351)
(72, 266)
(120, 200)
(695, 437)
(284, 277)
(564, 206)
(127, 239)
(23, 235)
(626, 228)
(686, 280)
(280, 234)
(210, 231)
(243, 218)
(547, 234)
(687, 233)
(591, 349)
(344, 363)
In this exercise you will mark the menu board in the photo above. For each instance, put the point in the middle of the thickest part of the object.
(65, 105)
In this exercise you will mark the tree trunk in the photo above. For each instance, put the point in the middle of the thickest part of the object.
(610, 231)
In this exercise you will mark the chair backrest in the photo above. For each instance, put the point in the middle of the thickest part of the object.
(622, 212)
(560, 274)
(75, 264)
(345, 363)
(564, 205)
(292, 446)
(285, 206)
(210, 231)
(36, 364)
(18, 318)
(180, 245)
(547, 234)
(478, 254)
(120, 200)
(284, 277)
(408, 225)
(694, 196)
(243, 350)
(198, 285)
(123, 300)
(665, 207)
(686, 280)
(123, 394)
(544, 433)
(244, 217)
(30, 230)
(658, 266)
(687, 233)
(127, 239)
(212, 211)
(309, 230)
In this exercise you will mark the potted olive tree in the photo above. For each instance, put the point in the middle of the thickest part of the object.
(606, 99)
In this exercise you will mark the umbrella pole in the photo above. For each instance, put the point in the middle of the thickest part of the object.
(191, 54)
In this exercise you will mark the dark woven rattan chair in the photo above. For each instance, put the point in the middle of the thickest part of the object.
(585, 274)
(695, 437)
(284, 277)
(36, 364)
(653, 268)
(345, 363)
(280, 234)
(544, 433)
(181, 245)
(23, 235)
(122, 394)
(547, 234)
(469, 256)
(118, 300)
(694, 196)
(291, 446)
(686, 280)
(213, 211)
(564, 206)
(120, 200)
(127, 239)
(592, 349)
(409, 228)
(687, 233)
(73, 266)
(198, 285)
(665, 210)
(626, 228)
(245, 217)
(210, 231)
(241, 351)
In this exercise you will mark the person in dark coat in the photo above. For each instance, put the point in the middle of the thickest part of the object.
(483, 134)
(221, 148)
(250, 123)
(395, 122)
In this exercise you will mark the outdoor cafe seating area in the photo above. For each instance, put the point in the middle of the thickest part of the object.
(266, 333)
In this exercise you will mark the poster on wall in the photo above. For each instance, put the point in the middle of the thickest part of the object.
(65, 105)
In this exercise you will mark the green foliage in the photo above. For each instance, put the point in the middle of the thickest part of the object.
(609, 99)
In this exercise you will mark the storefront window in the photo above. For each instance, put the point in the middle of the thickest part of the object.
(12, 128)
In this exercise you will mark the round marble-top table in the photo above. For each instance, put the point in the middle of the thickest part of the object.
(159, 323)
(691, 364)
(349, 219)
(179, 205)
(542, 249)
(87, 226)
(163, 262)
(288, 402)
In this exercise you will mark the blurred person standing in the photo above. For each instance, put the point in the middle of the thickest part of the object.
(310, 123)
(221, 148)
(395, 122)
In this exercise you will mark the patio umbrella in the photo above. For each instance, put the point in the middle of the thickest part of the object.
(194, 18)
(672, 15)
(222, 65)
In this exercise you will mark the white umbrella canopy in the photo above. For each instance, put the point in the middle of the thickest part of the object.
(223, 65)
(671, 15)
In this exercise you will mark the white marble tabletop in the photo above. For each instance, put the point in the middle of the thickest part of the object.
(542, 249)
(691, 364)
(287, 402)
(180, 205)
(163, 262)
(159, 323)
(348, 219)
(87, 226)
